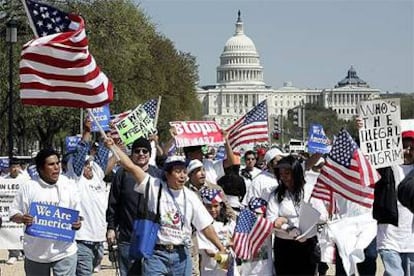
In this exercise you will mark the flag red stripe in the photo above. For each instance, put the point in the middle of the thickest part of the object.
(70, 89)
(353, 187)
(52, 61)
(80, 78)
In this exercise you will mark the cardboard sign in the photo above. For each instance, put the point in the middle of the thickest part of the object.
(52, 222)
(195, 133)
(11, 234)
(380, 136)
(137, 124)
(102, 115)
(317, 140)
(71, 142)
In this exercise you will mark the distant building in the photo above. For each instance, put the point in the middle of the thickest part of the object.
(240, 86)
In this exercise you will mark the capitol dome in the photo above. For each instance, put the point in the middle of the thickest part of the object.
(240, 61)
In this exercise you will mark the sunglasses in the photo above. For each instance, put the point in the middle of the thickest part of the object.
(138, 151)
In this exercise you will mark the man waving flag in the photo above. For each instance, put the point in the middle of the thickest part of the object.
(56, 69)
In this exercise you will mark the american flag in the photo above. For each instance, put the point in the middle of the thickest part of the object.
(347, 172)
(57, 68)
(250, 233)
(211, 196)
(250, 128)
(149, 106)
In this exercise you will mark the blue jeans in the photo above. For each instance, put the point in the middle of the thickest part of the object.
(86, 255)
(63, 267)
(176, 262)
(396, 264)
(125, 262)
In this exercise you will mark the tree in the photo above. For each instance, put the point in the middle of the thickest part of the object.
(141, 63)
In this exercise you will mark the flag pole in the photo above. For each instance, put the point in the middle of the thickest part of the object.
(268, 132)
(102, 132)
(158, 111)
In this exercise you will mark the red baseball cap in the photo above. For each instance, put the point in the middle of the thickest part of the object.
(408, 134)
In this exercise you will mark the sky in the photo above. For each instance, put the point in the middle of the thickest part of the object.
(310, 43)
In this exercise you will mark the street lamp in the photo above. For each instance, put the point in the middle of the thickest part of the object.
(11, 38)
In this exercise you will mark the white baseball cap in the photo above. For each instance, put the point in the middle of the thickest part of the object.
(193, 165)
(272, 153)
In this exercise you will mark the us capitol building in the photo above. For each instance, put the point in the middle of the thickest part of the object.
(240, 86)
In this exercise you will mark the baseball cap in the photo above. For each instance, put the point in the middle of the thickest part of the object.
(173, 160)
(272, 153)
(193, 165)
(408, 134)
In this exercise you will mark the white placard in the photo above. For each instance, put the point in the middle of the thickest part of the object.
(11, 234)
(380, 137)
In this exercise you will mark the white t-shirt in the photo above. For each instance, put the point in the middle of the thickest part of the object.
(214, 169)
(254, 173)
(209, 265)
(262, 265)
(287, 208)
(401, 238)
(262, 186)
(194, 212)
(93, 204)
(63, 194)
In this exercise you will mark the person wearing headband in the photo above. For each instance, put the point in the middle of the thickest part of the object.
(211, 261)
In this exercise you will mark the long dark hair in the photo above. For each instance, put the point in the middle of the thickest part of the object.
(298, 178)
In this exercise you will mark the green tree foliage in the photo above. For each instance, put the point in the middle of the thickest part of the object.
(141, 63)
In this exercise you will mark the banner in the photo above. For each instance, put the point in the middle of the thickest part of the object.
(195, 133)
(137, 124)
(11, 234)
(71, 142)
(380, 137)
(102, 115)
(317, 140)
(52, 222)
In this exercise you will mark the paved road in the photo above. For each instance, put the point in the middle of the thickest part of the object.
(107, 269)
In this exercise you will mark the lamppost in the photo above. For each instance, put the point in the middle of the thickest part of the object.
(11, 38)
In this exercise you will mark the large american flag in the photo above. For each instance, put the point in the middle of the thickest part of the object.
(250, 233)
(347, 172)
(57, 69)
(251, 128)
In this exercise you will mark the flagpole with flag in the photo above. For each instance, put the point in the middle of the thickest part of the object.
(250, 128)
(56, 68)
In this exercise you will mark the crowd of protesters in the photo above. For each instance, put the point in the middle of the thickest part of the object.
(199, 198)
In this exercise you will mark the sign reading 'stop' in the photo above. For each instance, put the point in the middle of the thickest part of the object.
(195, 133)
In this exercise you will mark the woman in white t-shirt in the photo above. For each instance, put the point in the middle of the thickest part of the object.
(212, 263)
(293, 255)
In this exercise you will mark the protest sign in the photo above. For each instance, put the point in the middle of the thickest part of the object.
(380, 136)
(102, 115)
(137, 124)
(317, 140)
(71, 142)
(4, 162)
(195, 133)
(52, 222)
(32, 171)
(11, 234)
